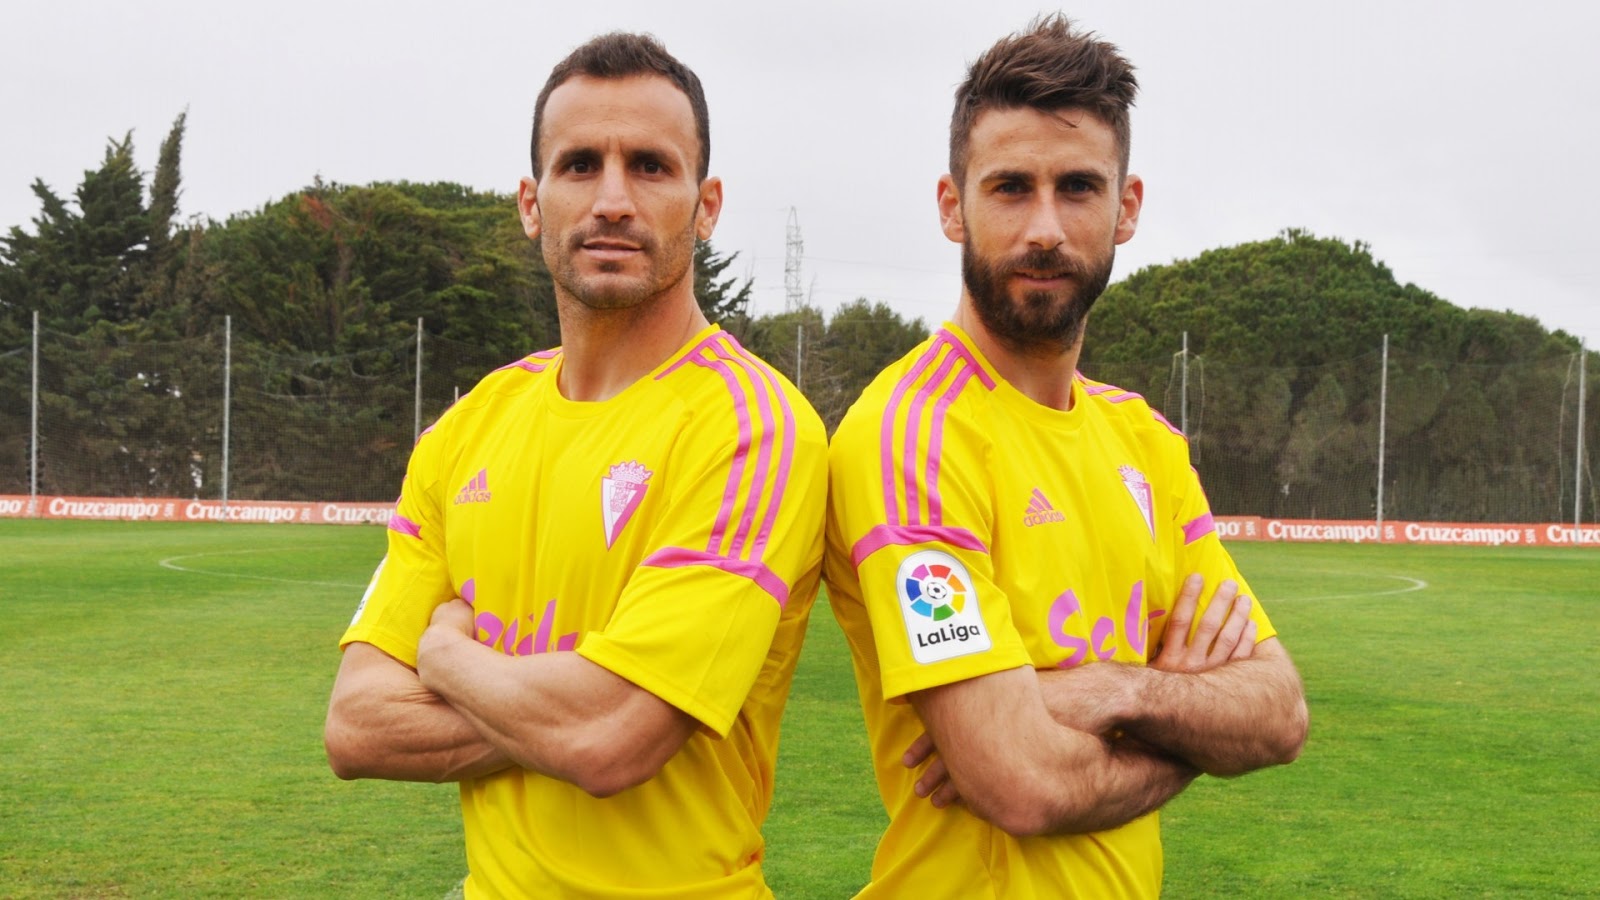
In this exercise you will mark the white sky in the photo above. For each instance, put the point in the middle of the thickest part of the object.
(1456, 138)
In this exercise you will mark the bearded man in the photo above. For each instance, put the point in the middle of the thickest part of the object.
(1020, 555)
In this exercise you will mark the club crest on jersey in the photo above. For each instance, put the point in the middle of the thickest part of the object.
(940, 607)
(621, 492)
(1143, 495)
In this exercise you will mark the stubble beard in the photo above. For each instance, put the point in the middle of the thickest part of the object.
(1040, 322)
(669, 263)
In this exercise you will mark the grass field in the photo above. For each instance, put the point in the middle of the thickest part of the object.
(161, 730)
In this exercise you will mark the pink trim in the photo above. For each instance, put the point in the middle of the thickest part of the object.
(913, 426)
(904, 536)
(966, 356)
(526, 365)
(692, 354)
(764, 578)
(405, 526)
(886, 430)
(1199, 528)
(730, 493)
(786, 455)
(1095, 390)
(1124, 397)
(1170, 427)
(728, 350)
(936, 443)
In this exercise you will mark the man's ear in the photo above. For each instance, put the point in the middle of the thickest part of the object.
(705, 215)
(1132, 201)
(950, 220)
(528, 206)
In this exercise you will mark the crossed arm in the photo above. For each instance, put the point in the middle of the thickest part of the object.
(1078, 750)
(468, 711)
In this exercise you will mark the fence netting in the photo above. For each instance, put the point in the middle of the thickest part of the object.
(122, 417)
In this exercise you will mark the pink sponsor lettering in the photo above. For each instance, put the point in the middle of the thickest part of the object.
(495, 633)
(1102, 633)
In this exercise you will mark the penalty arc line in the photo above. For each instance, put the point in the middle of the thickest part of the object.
(171, 563)
(1412, 584)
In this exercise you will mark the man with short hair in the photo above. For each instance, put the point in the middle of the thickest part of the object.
(603, 558)
(1019, 554)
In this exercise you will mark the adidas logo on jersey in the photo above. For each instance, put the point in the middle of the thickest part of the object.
(1040, 512)
(476, 491)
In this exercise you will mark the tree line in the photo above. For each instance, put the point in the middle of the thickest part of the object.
(324, 288)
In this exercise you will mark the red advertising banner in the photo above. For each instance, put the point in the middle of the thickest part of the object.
(1471, 534)
(167, 509)
(1231, 528)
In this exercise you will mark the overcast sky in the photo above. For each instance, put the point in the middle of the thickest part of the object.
(1458, 139)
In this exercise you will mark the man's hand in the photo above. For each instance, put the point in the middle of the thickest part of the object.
(935, 783)
(1226, 632)
(451, 620)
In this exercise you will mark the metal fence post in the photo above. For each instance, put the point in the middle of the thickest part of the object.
(1183, 391)
(416, 429)
(1383, 426)
(33, 429)
(227, 399)
(1577, 482)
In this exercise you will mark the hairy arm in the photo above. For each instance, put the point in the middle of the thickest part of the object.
(999, 750)
(382, 723)
(555, 713)
(1217, 699)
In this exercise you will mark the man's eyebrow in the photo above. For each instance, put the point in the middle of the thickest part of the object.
(574, 155)
(1006, 175)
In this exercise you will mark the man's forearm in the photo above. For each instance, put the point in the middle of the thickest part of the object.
(382, 723)
(1241, 716)
(1130, 783)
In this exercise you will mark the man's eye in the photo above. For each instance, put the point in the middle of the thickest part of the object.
(651, 168)
(1079, 186)
(580, 167)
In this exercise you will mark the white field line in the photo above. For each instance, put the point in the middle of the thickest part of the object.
(171, 562)
(1412, 584)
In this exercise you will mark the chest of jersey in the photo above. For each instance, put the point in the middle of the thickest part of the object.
(547, 519)
(1082, 542)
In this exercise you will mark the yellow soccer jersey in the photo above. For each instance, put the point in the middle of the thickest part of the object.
(972, 530)
(672, 535)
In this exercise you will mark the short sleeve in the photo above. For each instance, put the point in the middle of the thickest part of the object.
(913, 508)
(413, 578)
(739, 542)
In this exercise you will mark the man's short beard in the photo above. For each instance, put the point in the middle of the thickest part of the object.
(1040, 322)
(669, 262)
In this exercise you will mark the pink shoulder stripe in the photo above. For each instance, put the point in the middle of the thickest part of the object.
(764, 578)
(727, 352)
(1170, 427)
(768, 466)
(1199, 528)
(693, 354)
(405, 526)
(919, 467)
(909, 535)
(785, 455)
(886, 432)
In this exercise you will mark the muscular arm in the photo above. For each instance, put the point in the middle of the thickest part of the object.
(382, 723)
(1027, 774)
(1218, 699)
(555, 713)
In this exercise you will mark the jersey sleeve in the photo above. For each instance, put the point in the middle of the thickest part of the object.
(1200, 550)
(740, 541)
(911, 505)
(413, 578)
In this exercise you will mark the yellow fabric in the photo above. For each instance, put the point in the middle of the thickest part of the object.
(1039, 521)
(708, 481)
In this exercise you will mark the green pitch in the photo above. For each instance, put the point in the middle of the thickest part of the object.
(161, 730)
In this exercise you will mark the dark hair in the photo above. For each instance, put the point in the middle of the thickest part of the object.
(621, 55)
(1048, 67)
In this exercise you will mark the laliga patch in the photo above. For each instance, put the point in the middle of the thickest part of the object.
(940, 607)
(371, 586)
